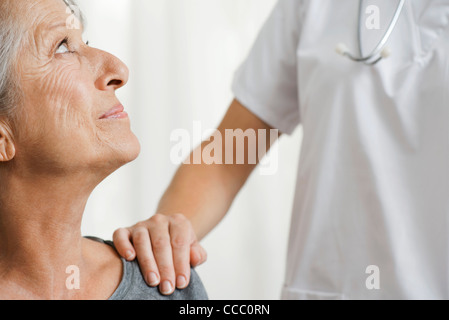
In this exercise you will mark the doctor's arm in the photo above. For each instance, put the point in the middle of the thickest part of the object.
(197, 199)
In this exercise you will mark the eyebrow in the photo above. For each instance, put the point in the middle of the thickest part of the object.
(64, 25)
(58, 25)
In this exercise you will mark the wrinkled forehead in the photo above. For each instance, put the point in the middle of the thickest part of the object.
(36, 15)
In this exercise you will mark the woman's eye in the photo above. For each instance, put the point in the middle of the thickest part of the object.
(63, 48)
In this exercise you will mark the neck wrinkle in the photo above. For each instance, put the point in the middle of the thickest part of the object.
(40, 230)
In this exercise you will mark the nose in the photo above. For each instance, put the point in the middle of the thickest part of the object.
(112, 73)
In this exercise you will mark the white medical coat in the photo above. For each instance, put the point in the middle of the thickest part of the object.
(373, 177)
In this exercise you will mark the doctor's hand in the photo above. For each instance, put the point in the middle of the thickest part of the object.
(165, 247)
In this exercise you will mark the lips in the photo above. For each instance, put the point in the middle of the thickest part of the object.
(117, 112)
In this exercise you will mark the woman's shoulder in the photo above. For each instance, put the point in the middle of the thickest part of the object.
(133, 286)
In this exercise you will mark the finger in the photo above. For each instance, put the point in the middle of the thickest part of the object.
(147, 262)
(160, 241)
(181, 239)
(122, 242)
(197, 255)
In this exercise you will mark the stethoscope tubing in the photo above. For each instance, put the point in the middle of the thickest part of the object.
(381, 45)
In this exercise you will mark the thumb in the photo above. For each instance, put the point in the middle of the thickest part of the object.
(197, 255)
(122, 242)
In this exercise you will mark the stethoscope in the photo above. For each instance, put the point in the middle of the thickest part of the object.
(381, 51)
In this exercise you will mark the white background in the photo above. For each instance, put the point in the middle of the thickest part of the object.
(182, 55)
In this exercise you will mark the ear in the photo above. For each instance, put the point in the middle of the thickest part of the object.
(7, 148)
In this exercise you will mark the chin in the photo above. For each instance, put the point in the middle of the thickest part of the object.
(130, 150)
(121, 154)
(135, 152)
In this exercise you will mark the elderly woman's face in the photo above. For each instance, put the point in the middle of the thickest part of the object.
(70, 118)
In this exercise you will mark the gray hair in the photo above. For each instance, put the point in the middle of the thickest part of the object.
(10, 40)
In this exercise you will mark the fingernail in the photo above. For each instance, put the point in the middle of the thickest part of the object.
(166, 287)
(129, 255)
(181, 282)
(153, 279)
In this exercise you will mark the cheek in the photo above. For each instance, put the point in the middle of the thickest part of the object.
(61, 99)
(57, 112)
(67, 97)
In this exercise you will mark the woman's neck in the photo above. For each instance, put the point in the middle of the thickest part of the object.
(40, 237)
